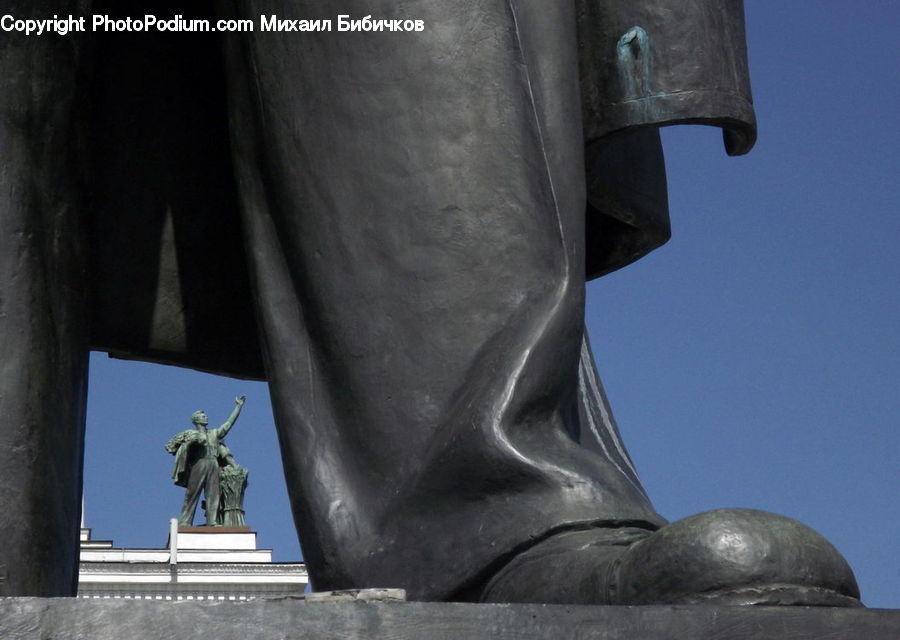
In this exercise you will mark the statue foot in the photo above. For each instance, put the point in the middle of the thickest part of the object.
(729, 556)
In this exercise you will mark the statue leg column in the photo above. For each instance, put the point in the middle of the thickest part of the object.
(414, 209)
(43, 320)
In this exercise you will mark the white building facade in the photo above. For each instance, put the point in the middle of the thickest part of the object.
(198, 563)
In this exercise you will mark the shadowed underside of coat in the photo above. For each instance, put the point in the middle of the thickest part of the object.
(169, 281)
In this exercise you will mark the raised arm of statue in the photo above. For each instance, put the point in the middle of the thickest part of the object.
(226, 427)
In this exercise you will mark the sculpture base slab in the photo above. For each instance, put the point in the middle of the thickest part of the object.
(213, 530)
(62, 618)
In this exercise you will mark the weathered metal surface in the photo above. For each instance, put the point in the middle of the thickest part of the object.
(389, 227)
(65, 619)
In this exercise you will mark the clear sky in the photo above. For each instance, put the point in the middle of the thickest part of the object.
(753, 361)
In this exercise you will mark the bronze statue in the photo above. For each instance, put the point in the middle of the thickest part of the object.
(201, 459)
(404, 222)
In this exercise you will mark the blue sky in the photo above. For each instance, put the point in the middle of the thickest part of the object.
(753, 361)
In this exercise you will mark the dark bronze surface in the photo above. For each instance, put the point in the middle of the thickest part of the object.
(392, 229)
(722, 557)
(38, 618)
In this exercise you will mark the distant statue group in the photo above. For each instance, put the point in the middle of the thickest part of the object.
(204, 463)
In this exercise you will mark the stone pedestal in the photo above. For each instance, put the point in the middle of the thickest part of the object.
(289, 618)
(217, 543)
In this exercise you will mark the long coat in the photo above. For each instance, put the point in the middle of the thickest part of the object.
(169, 281)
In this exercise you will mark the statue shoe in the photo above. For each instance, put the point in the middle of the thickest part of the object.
(728, 556)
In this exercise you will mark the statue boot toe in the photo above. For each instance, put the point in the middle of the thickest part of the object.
(733, 556)
(728, 556)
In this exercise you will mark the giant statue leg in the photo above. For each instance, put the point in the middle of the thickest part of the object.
(414, 210)
(43, 324)
(414, 204)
